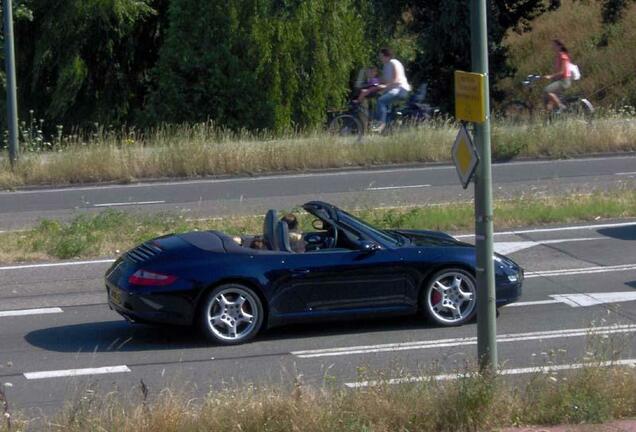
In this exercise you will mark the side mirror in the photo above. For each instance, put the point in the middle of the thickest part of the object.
(369, 246)
(318, 225)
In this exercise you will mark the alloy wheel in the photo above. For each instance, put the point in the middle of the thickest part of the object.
(451, 297)
(232, 314)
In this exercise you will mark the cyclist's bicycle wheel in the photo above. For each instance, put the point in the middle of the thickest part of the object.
(516, 112)
(581, 107)
(346, 126)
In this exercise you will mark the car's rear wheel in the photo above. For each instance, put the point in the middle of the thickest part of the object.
(231, 314)
(450, 297)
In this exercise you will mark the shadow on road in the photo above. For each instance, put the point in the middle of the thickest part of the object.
(620, 233)
(122, 336)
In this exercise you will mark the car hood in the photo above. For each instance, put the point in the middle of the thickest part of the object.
(431, 238)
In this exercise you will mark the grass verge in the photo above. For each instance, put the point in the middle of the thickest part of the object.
(469, 403)
(201, 150)
(111, 232)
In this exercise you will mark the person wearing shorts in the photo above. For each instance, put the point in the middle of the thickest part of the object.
(394, 86)
(561, 79)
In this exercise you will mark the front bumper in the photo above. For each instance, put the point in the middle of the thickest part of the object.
(509, 289)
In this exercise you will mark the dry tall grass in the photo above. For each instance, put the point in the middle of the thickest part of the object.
(201, 150)
(469, 403)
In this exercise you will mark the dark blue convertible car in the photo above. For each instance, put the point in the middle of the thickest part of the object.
(349, 269)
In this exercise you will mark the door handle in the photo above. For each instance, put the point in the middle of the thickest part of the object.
(300, 271)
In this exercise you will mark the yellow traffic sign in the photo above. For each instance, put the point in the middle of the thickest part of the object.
(470, 102)
(465, 156)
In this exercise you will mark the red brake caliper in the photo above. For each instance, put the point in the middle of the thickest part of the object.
(436, 297)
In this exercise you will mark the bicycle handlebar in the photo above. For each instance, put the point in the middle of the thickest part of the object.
(531, 79)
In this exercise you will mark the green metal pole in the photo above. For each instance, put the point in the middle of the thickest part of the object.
(12, 100)
(486, 312)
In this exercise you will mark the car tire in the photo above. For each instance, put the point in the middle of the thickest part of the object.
(231, 314)
(450, 297)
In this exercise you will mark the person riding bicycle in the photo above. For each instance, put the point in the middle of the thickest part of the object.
(394, 86)
(561, 78)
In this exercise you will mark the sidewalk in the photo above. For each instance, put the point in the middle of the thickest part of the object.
(615, 426)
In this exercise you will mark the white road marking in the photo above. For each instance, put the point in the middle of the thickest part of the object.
(532, 303)
(506, 248)
(293, 176)
(626, 173)
(514, 371)
(119, 204)
(595, 299)
(76, 372)
(579, 271)
(398, 187)
(582, 300)
(24, 312)
(60, 264)
(567, 228)
(445, 343)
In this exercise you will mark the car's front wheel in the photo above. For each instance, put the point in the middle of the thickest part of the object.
(450, 297)
(231, 314)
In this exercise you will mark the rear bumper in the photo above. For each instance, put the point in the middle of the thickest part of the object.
(148, 309)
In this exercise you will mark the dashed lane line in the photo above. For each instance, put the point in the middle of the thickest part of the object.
(58, 264)
(25, 312)
(120, 204)
(76, 372)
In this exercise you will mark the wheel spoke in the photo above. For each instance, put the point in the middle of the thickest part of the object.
(465, 295)
(440, 287)
(223, 301)
(457, 313)
(231, 329)
(240, 301)
(457, 282)
(216, 319)
(245, 317)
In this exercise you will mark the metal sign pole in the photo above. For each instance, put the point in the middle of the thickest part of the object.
(486, 302)
(12, 100)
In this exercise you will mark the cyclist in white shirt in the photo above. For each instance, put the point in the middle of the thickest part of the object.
(394, 85)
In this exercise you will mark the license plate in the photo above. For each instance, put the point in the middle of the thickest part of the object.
(115, 295)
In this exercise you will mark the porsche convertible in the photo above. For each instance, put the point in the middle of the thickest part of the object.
(233, 287)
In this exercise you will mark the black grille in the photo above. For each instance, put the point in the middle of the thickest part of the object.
(143, 252)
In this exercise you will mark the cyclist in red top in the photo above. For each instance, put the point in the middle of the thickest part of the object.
(562, 79)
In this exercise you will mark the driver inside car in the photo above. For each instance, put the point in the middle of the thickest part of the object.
(295, 234)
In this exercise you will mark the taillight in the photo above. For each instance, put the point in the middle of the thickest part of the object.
(146, 278)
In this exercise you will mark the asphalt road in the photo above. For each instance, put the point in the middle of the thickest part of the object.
(353, 188)
(577, 278)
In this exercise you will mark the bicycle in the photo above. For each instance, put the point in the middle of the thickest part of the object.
(576, 104)
(354, 122)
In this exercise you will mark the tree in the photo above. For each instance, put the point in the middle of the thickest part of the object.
(83, 61)
(444, 41)
(21, 12)
(255, 64)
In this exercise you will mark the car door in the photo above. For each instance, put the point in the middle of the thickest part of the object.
(337, 281)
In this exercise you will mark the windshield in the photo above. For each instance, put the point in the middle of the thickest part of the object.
(390, 238)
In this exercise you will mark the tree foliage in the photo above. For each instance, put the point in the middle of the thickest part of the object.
(253, 64)
(273, 64)
(449, 21)
(86, 59)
